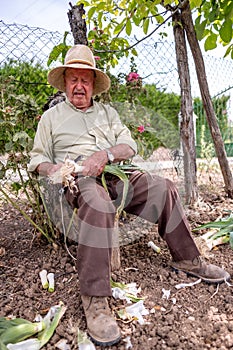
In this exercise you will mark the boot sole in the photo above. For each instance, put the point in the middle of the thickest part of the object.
(102, 343)
(216, 281)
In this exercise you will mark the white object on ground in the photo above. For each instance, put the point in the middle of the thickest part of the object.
(228, 283)
(62, 345)
(166, 293)
(154, 247)
(84, 343)
(50, 277)
(128, 344)
(43, 278)
(126, 292)
(184, 285)
(137, 310)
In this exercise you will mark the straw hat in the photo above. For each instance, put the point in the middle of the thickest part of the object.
(79, 56)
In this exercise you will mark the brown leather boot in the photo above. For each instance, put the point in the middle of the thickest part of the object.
(101, 325)
(199, 268)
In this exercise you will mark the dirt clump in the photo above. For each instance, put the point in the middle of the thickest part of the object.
(196, 317)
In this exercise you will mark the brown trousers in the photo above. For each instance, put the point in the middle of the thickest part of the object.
(149, 196)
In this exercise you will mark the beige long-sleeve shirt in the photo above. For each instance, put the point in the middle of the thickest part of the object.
(67, 131)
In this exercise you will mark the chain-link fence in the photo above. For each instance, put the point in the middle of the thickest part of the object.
(156, 59)
(156, 64)
(21, 42)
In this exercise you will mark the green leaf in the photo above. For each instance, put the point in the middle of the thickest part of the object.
(146, 25)
(195, 3)
(8, 146)
(56, 52)
(212, 15)
(128, 27)
(100, 6)
(167, 2)
(116, 170)
(200, 28)
(160, 19)
(228, 51)
(225, 31)
(223, 232)
(3, 346)
(229, 10)
(51, 319)
(136, 20)
(226, 239)
(65, 36)
(134, 52)
(211, 42)
(216, 224)
(84, 2)
(104, 182)
(118, 28)
(16, 186)
(22, 135)
(100, 16)
(91, 12)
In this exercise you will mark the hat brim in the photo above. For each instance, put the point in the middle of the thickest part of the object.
(56, 78)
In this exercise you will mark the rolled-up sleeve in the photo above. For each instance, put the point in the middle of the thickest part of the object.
(123, 134)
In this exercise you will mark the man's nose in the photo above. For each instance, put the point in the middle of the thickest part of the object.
(79, 85)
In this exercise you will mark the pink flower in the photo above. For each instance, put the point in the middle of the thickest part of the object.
(97, 58)
(141, 128)
(8, 109)
(133, 76)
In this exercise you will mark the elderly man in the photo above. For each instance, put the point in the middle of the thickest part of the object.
(82, 126)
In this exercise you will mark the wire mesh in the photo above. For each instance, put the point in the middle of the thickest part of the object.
(156, 64)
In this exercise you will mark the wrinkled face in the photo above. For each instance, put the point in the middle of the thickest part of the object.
(79, 87)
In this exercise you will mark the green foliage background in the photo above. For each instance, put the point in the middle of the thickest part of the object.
(24, 91)
(204, 142)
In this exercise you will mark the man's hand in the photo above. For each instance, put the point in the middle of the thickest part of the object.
(94, 165)
(48, 169)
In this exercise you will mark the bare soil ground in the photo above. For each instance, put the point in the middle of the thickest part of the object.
(197, 317)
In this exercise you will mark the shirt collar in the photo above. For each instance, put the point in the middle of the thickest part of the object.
(90, 109)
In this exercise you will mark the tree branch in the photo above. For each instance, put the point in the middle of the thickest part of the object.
(141, 40)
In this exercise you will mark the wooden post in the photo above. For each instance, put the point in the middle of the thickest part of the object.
(187, 22)
(78, 24)
(186, 125)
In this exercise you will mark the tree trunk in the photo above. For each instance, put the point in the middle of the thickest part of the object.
(78, 24)
(186, 125)
(186, 19)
